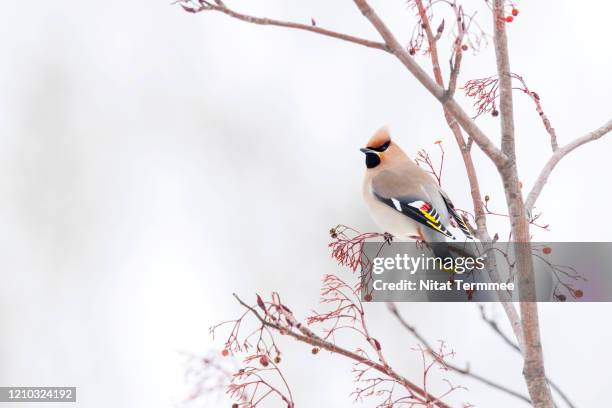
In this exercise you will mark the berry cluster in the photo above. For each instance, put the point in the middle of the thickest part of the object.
(510, 18)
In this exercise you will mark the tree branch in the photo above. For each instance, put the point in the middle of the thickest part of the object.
(305, 335)
(455, 65)
(391, 45)
(464, 371)
(493, 325)
(487, 146)
(479, 209)
(505, 80)
(220, 7)
(557, 156)
(533, 368)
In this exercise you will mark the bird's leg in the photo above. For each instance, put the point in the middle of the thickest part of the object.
(388, 238)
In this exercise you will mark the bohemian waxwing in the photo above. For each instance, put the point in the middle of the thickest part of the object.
(402, 198)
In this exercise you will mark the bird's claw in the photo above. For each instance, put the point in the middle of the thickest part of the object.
(388, 238)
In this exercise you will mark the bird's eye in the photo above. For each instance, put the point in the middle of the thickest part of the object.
(384, 146)
(381, 148)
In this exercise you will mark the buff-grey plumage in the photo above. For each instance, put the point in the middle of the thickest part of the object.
(402, 198)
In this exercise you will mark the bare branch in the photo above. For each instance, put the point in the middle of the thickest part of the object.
(436, 90)
(454, 76)
(505, 80)
(493, 325)
(479, 206)
(479, 212)
(220, 7)
(545, 121)
(557, 156)
(563, 396)
(305, 335)
(533, 368)
(455, 63)
(391, 45)
(464, 371)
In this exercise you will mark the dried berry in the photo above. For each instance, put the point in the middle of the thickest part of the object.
(412, 51)
(315, 350)
(367, 297)
(277, 359)
(495, 112)
(464, 47)
(578, 293)
(561, 298)
(263, 360)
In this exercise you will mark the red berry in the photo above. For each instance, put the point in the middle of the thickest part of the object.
(263, 360)
(412, 51)
(561, 298)
(578, 293)
(509, 19)
(495, 112)
(315, 350)
(367, 297)
(515, 12)
(547, 250)
(225, 353)
(464, 47)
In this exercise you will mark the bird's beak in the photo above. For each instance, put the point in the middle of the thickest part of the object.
(365, 150)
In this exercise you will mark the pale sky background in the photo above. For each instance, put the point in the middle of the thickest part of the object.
(153, 162)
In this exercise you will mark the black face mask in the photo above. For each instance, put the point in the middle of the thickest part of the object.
(372, 160)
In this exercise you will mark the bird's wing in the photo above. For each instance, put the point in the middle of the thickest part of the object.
(451, 210)
(409, 198)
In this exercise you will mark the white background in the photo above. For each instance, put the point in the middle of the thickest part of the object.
(152, 162)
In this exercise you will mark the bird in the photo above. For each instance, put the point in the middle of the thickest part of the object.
(403, 199)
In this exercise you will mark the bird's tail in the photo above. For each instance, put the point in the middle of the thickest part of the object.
(449, 267)
(450, 253)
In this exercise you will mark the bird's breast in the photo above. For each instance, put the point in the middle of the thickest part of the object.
(387, 218)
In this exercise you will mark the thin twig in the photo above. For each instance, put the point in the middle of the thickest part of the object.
(306, 336)
(464, 371)
(493, 325)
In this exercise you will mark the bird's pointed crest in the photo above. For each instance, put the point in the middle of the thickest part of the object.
(381, 137)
